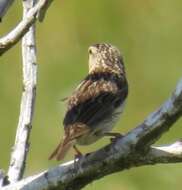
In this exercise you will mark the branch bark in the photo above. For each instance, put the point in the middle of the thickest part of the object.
(167, 154)
(21, 146)
(42, 12)
(2, 177)
(132, 150)
(18, 32)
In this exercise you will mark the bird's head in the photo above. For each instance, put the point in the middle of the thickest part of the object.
(105, 58)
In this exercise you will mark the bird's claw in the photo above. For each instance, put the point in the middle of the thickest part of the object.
(116, 137)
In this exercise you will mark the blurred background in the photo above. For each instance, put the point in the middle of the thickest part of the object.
(148, 32)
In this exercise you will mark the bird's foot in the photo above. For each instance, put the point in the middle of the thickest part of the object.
(114, 136)
(78, 155)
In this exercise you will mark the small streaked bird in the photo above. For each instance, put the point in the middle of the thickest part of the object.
(97, 103)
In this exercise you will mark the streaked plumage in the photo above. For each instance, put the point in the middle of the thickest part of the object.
(96, 104)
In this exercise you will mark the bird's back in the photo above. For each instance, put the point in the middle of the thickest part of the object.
(97, 103)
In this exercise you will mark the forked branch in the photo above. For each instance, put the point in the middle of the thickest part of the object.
(21, 146)
(17, 33)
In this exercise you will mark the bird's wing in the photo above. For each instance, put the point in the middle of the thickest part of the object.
(93, 101)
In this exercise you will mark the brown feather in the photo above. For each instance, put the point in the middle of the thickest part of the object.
(71, 133)
(62, 148)
(89, 89)
(55, 151)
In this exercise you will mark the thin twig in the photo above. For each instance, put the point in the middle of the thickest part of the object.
(21, 146)
(42, 12)
(167, 154)
(2, 176)
(17, 33)
(4, 6)
(120, 155)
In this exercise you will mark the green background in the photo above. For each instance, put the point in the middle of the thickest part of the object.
(148, 32)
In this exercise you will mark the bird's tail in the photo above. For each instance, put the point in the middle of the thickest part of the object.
(61, 150)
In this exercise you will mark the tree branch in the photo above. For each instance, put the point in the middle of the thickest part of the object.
(21, 146)
(2, 176)
(166, 154)
(17, 33)
(132, 150)
(42, 12)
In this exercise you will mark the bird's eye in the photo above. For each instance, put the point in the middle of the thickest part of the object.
(90, 51)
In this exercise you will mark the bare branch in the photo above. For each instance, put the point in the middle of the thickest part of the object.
(65, 176)
(17, 33)
(21, 147)
(4, 6)
(42, 12)
(125, 153)
(166, 154)
(2, 176)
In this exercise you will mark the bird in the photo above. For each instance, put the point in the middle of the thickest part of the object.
(97, 103)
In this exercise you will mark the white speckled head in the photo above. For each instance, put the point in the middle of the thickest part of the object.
(105, 57)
